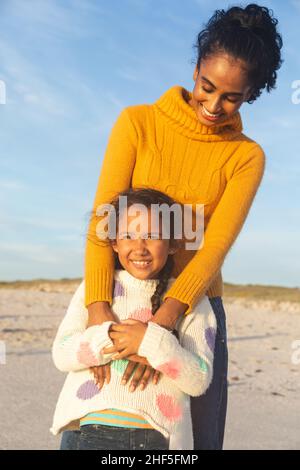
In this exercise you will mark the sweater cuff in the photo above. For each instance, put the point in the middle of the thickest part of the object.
(187, 288)
(100, 338)
(152, 339)
(99, 286)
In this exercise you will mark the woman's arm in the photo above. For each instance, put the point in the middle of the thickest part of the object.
(116, 173)
(189, 364)
(222, 230)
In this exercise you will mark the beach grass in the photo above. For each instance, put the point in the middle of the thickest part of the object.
(245, 291)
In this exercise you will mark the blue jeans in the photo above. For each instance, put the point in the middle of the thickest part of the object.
(69, 440)
(100, 437)
(209, 410)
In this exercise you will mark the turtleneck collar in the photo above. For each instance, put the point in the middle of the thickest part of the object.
(173, 105)
(131, 282)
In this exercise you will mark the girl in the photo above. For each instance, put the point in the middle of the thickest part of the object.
(158, 416)
(190, 146)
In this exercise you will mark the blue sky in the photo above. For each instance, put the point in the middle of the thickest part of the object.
(69, 67)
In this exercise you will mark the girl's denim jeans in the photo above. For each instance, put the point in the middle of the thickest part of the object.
(208, 410)
(100, 437)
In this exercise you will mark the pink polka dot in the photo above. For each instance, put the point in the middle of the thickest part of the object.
(170, 368)
(169, 407)
(142, 314)
(85, 355)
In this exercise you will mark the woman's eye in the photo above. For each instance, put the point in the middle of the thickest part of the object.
(207, 90)
(232, 100)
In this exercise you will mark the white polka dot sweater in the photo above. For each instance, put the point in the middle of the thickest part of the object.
(186, 365)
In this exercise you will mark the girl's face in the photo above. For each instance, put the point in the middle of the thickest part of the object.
(221, 86)
(141, 253)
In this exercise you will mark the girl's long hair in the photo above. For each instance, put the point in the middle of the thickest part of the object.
(148, 196)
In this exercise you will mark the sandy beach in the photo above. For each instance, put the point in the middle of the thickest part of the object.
(264, 380)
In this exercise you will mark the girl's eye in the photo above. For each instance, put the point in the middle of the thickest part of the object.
(125, 236)
(154, 236)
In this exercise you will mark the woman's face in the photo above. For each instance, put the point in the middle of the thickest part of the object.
(221, 86)
(140, 247)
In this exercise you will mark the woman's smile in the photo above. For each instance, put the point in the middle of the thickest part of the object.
(210, 116)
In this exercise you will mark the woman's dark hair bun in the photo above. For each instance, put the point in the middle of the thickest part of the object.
(249, 34)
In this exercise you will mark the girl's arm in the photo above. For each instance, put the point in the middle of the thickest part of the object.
(189, 364)
(76, 347)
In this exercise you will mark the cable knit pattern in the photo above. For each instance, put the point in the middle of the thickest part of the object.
(164, 146)
(186, 365)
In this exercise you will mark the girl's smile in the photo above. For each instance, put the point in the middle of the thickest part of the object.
(141, 264)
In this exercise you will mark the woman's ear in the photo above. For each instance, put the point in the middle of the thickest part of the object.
(248, 94)
(195, 74)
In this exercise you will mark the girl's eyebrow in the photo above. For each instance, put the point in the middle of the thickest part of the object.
(227, 93)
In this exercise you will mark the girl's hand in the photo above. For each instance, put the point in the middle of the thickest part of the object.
(127, 337)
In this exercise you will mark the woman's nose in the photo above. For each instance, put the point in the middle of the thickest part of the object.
(215, 105)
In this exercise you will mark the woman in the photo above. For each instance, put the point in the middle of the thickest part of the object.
(191, 147)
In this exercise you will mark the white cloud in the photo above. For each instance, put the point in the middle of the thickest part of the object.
(32, 252)
(42, 222)
(127, 75)
(114, 100)
(13, 185)
(49, 19)
(27, 81)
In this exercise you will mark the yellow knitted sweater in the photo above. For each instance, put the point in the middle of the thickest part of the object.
(164, 146)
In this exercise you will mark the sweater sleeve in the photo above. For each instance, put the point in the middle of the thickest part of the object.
(188, 363)
(115, 176)
(222, 230)
(76, 347)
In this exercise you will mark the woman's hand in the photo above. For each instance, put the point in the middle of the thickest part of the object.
(99, 312)
(169, 312)
(127, 337)
(142, 373)
(137, 364)
(166, 316)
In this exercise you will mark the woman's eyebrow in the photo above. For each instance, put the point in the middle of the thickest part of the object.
(227, 93)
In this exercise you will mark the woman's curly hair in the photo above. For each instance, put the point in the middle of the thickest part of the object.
(249, 34)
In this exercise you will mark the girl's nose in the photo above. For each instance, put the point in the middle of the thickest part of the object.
(141, 245)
